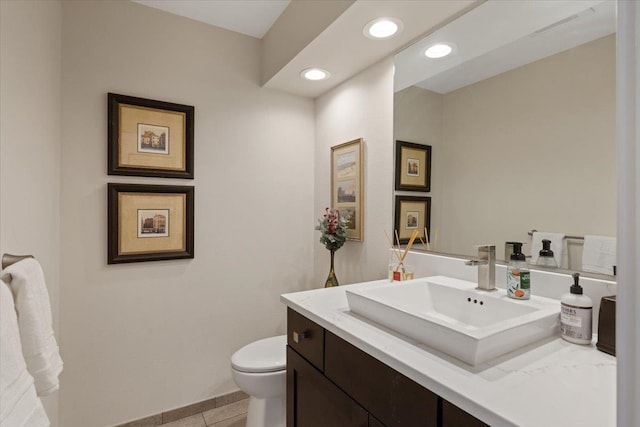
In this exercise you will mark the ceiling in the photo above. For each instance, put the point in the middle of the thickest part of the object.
(341, 47)
(513, 38)
(250, 17)
(496, 37)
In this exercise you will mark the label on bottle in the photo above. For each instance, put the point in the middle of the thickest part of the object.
(575, 322)
(518, 283)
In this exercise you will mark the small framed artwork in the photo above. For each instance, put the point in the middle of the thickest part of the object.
(149, 138)
(413, 167)
(412, 213)
(347, 185)
(149, 222)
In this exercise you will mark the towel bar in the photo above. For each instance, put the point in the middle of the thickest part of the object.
(530, 233)
(8, 259)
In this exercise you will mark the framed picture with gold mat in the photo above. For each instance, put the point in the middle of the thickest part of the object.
(149, 138)
(412, 213)
(347, 185)
(413, 167)
(149, 222)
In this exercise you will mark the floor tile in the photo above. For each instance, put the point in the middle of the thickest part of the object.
(225, 412)
(192, 421)
(239, 421)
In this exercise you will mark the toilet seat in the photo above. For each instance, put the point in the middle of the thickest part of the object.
(266, 355)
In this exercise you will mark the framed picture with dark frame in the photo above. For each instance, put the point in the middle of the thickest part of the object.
(149, 138)
(347, 172)
(413, 167)
(412, 213)
(149, 222)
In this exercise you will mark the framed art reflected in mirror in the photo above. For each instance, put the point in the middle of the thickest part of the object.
(413, 167)
(412, 213)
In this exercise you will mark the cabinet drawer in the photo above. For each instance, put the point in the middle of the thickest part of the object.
(389, 396)
(306, 337)
(452, 416)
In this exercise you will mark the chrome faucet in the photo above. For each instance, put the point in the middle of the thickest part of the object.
(486, 263)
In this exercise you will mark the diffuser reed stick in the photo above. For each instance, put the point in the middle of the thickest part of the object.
(414, 235)
(396, 252)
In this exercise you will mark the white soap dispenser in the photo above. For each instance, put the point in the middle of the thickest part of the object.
(575, 314)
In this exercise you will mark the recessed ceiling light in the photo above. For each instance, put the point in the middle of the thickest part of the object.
(383, 28)
(315, 74)
(438, 50)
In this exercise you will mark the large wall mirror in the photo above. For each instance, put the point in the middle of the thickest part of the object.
(521, 120)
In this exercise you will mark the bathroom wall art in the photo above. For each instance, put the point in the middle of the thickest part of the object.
(413, 167)
(149, 222)
(149, 138)
(412, 213)
(347, 184)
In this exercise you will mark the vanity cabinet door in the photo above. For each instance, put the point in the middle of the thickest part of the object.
(392, 398)
(452, 416)
(314, 401)
(374, 423)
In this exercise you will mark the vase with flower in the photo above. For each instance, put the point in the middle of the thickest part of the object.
(333, 234)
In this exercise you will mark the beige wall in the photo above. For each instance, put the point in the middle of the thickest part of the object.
(30, 55)
(530, 148)
(142, 338)
(417, 118)
(362, 107)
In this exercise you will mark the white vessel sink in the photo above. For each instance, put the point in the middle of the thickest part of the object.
(451, 316)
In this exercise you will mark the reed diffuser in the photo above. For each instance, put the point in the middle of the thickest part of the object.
(400, 271)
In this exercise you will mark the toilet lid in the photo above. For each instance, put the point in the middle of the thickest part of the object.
(266, 355)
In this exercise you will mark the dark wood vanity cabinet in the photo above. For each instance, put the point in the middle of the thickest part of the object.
(314, 401)
(452, 416)
(331, 383)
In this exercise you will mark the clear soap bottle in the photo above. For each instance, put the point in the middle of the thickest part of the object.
(518, 275)
(546, 257)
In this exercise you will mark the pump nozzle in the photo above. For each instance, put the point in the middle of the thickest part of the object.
(576, 288)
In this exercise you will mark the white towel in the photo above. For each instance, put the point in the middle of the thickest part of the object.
(599, 254)
(19, 405)
(34, 323)
(558, 246)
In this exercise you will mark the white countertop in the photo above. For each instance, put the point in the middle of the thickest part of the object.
(550, 383)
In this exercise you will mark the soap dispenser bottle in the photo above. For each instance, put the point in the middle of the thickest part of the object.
(518, 275)
(546, 258)
(576, 312)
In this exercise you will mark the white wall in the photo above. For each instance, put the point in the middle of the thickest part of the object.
(142, 338)
(30, 55)
(362, 107)
(530, 148)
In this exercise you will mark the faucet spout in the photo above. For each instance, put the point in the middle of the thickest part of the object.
(486, 263)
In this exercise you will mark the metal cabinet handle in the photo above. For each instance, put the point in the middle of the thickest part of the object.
(298, 336)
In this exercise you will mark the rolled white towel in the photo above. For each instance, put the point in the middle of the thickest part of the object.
(19, 405)
(599, 254)
(39, 345)
(558, 246)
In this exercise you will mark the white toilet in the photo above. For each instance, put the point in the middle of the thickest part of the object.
(259, 369)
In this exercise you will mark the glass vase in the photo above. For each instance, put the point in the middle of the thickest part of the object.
(332, 280)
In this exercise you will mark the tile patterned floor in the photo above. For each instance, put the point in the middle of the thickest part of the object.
(231, 415)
